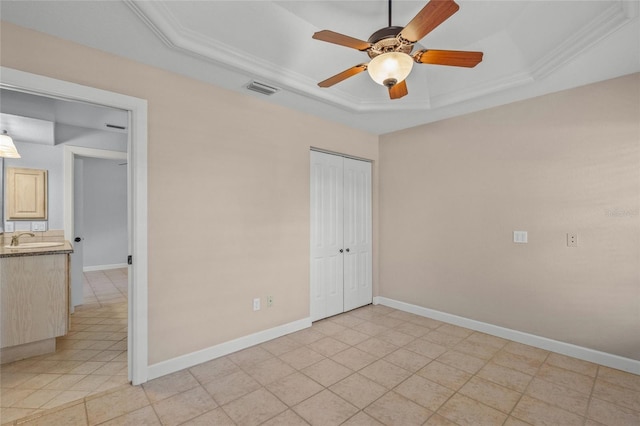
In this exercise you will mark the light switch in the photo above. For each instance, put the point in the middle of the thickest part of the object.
(520, 237)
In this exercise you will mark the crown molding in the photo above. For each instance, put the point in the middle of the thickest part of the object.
(483, 89)
(613, 18)
(177, 37)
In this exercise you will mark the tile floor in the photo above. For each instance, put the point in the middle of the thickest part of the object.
(373, 366)
(90, 359)
(102, 288)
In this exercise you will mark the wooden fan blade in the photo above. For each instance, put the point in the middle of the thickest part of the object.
(398, 90)
(432, 15)
(343, 75)
(341, 39)
(456, 58)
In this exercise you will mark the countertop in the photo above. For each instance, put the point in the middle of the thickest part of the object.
(63, 249)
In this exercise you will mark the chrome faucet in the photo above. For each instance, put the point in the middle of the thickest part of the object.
(15, 240)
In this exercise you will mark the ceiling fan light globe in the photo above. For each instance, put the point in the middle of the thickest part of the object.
(390, 66)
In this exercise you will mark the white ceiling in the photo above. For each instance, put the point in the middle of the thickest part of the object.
(530, 48)
(49, 121)
(27, 129)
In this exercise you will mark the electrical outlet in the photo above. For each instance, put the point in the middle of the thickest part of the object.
(269, 301)
(256, 304)
(8, 227)
(572, 239)
(39, 226)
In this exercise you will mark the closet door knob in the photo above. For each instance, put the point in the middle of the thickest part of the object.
(341, 250)
(347, 250)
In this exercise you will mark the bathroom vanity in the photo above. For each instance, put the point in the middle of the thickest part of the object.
(35, 285)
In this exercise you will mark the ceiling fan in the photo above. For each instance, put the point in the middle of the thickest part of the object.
(390, 49)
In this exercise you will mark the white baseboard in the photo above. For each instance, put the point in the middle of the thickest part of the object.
(104, 267)
(217, 351)
(586, 354)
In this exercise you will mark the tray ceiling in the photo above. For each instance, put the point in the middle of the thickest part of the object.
(530, 48)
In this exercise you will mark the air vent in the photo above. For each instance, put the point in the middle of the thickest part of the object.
(114, 126)
(262, 88)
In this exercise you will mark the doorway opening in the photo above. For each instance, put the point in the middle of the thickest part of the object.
(137, 273)
(108, 211)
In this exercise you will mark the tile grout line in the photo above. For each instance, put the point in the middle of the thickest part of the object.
(593, 387)
(476, 374)
(404, 380)
(86, 411)
(469, 379)
(524, 392)
(361, 410)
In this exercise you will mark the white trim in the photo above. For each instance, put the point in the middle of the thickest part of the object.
(217, 351)
(137, 160)
(69, 155)
(586, 354)
(70, 151)
(104, 267)
(587, 37)
(339, 154)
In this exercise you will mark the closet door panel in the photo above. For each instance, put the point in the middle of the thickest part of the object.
(357, 234)
(327, 217)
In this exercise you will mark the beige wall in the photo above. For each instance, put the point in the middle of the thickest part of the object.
(228, 193)
(452, 193)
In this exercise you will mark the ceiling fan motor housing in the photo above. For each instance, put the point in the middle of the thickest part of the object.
(386, 40)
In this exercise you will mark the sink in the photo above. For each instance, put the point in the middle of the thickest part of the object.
(25, 246)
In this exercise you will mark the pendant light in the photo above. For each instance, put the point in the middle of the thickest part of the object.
(7, 147)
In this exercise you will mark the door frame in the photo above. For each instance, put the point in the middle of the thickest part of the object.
(13, 79)
(311, 278)
(70, 154)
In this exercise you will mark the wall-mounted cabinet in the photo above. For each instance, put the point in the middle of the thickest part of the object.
(26, 194)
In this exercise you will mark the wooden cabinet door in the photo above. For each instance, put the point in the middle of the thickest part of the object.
(26, 194)
(34, 292)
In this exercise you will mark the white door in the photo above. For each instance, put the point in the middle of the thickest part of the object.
(326, 235)
(77, 296)
(340, 234)
(357, 234)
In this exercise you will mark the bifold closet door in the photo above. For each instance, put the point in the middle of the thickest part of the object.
(340, 234)
(327, 212)
(357, 234)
